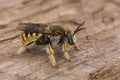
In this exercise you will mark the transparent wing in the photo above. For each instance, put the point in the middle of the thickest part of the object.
(32, 27)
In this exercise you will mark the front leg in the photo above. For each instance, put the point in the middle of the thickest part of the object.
(24, 47)
(74, 44)
(51, 56)
(66, 54)
(75, 47)
(21, 50)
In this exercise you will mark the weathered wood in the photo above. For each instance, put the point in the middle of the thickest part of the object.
(108, 72)
(99, 43)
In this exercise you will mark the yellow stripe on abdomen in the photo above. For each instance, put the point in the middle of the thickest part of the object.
(24, 37)
(34, 34)
(28, 35)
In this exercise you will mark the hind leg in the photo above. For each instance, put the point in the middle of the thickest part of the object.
(24, 47)
(75, 47)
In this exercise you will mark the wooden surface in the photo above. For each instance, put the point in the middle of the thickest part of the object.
(109, 72)
(99, 55)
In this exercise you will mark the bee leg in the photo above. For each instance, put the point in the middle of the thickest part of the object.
(23, 47)
(66, 54)
(51, 56)
(75, 47)
(21, 50)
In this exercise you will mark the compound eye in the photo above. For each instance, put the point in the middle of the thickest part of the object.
(70, 39)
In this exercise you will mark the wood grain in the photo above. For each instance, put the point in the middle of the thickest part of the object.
(99, 43)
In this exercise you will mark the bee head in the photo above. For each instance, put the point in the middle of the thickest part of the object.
(70, 36)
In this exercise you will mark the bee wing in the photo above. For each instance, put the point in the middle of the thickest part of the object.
(57, 29)
(33, 27)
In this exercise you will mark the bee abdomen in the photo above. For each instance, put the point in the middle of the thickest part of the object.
(26, 36)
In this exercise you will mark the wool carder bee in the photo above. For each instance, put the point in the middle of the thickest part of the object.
(49, 36)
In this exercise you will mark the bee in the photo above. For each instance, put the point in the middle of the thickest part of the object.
(49, 36)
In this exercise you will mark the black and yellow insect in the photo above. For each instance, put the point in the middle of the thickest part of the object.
(48, 35)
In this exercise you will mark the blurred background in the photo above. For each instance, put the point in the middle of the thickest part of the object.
(99, 43)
